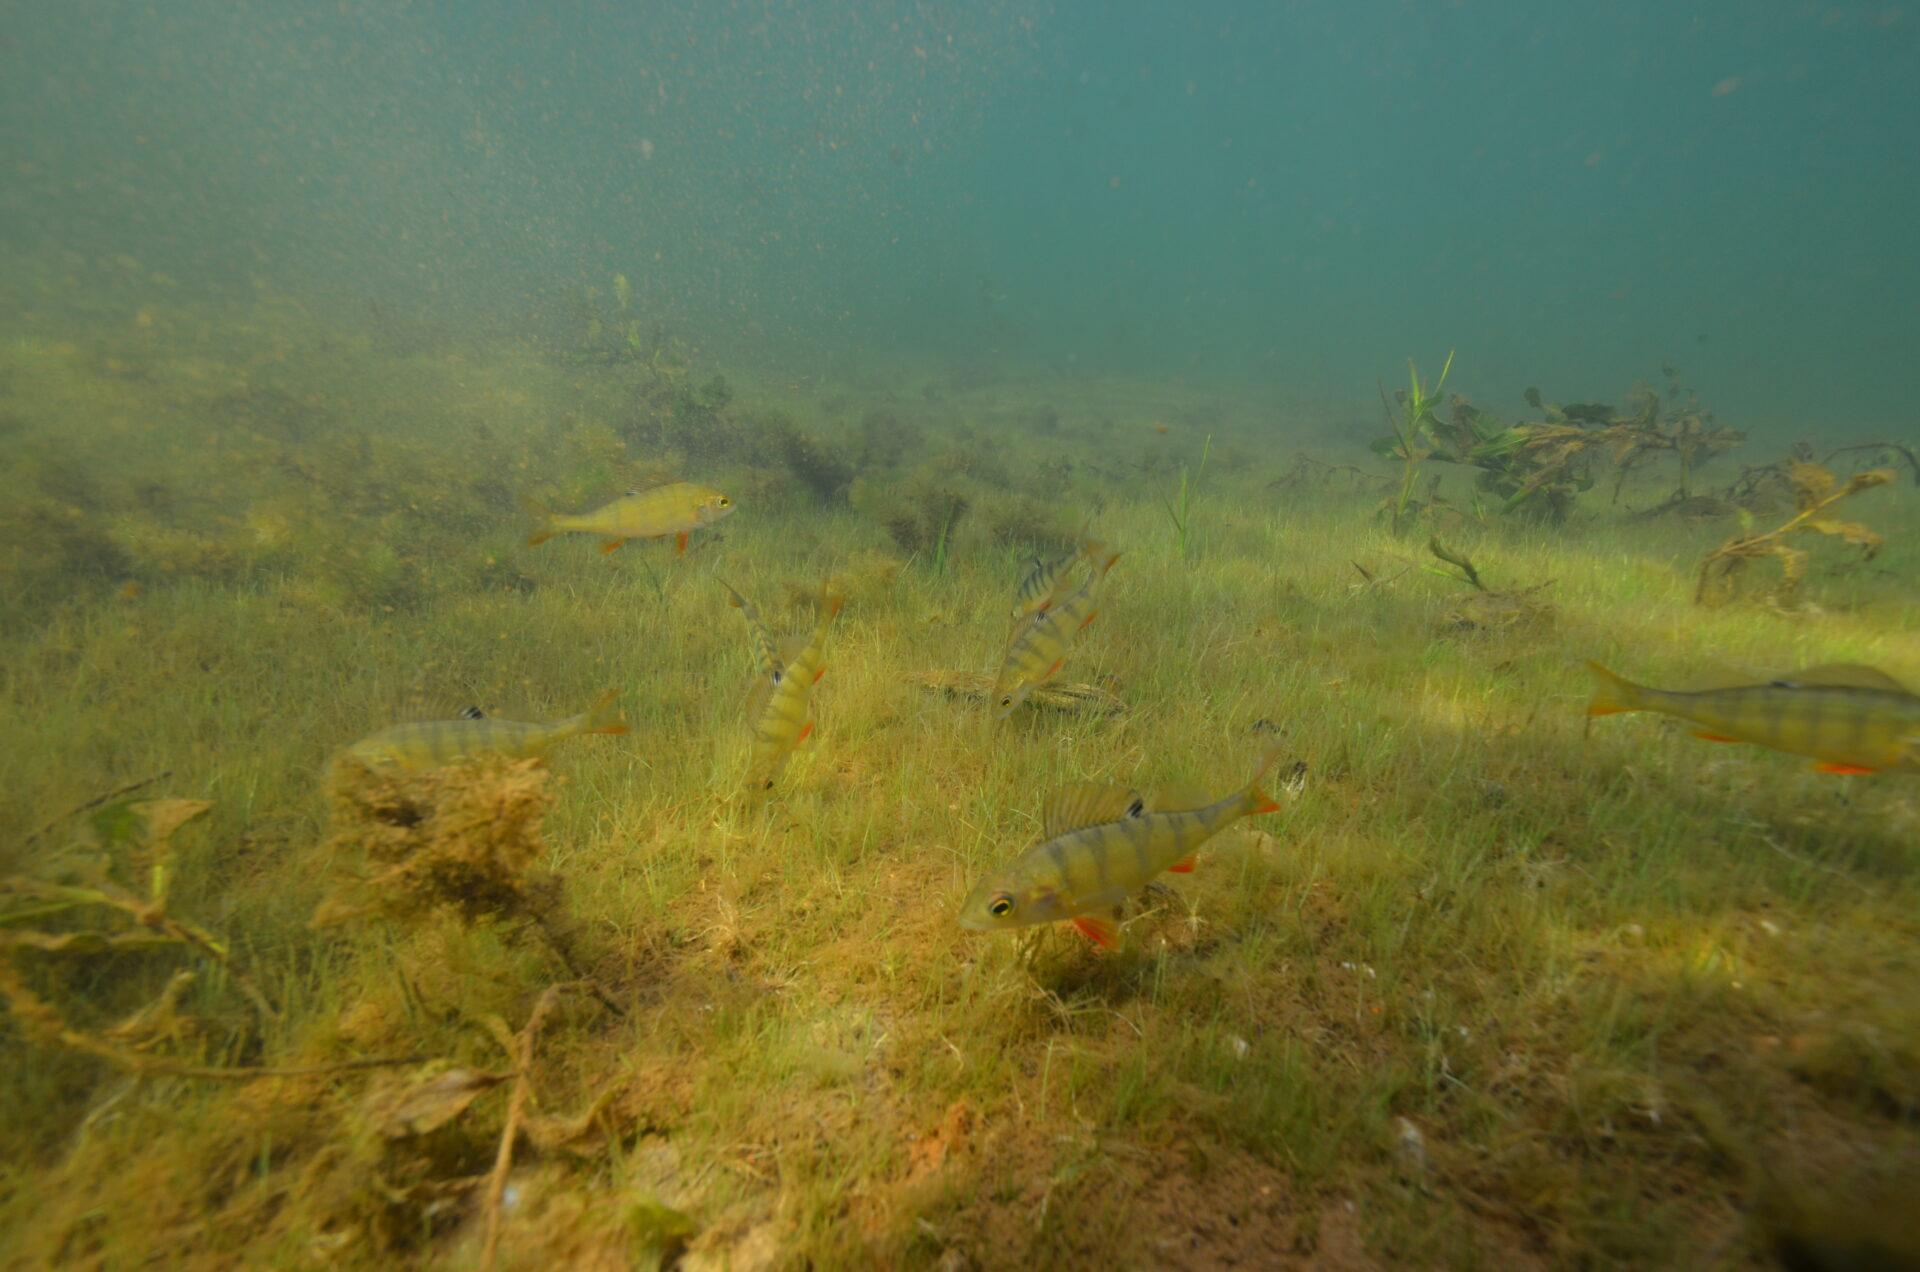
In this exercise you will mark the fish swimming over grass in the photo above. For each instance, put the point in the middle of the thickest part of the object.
(781, 705)
(1100, 845)
(430, 744)
(766, 657)
(1851, 719)
(1040, 643)
(1047, 579)
(674, 510)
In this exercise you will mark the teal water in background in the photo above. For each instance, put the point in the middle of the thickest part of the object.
(1291, 195)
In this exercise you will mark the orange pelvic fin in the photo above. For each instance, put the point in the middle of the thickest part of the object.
(1087, 621)
(680, 544)
(1714, 737)
(539, 537)
(1101, 932)
(1829, 766)
(609, 545)
(819, 673)
(1182, 866)
(805, 729)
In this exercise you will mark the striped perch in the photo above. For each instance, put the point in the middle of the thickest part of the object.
(1040, 643)
(1849, 718)
(1100, 845)
(766, 658)
(433, 743)
(781, 706)
(1047, 579)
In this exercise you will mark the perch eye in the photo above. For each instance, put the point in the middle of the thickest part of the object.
(1001, 906)
(725, 502)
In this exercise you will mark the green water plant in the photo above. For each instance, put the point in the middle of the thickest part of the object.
(1179, 504)
(1413, 439)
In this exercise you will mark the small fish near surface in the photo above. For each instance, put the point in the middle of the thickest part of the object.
(674, 511)
(781, 704)
(1100, 845)
(428, 744)
(1041, 642)
(1849, 718)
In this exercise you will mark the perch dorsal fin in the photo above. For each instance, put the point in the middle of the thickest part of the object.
(1844, 676)
(1081, 804)
(472, 713)
(1178, 797)
(1720, 678)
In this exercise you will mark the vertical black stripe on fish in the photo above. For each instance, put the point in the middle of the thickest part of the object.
(1057, 853)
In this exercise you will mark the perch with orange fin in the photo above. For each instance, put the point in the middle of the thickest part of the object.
(1848, 718)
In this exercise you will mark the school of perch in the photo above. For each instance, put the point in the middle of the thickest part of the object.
(1101, 845)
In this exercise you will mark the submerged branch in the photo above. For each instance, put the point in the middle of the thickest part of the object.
(94, 803)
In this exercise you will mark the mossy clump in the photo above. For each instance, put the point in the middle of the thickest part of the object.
(1021, 521)
(976, 458)
(820, 468)
(884, 440)
(919, 513)
(672, 408)
(49, 553)
(465, 838)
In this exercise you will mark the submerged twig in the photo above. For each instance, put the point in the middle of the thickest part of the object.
(161, 928)
(519, 1049)
(1906, 453)
(93, 803)
(1815, 490)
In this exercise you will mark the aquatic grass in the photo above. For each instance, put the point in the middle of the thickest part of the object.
(1467, 855)
(1178, 504)
(1412, 440)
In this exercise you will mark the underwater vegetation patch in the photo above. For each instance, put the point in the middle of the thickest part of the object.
(1477, 991)
(1816, 491)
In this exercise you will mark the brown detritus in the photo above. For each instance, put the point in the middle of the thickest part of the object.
(1815, 490)
(1059, 696)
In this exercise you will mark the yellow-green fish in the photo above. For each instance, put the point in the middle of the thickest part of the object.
(1100, 845)
(676, 509)
(1040, 642)
(432, 743)
(1852, 719)
(781, 706)
(766, 658)
(1047, 579)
